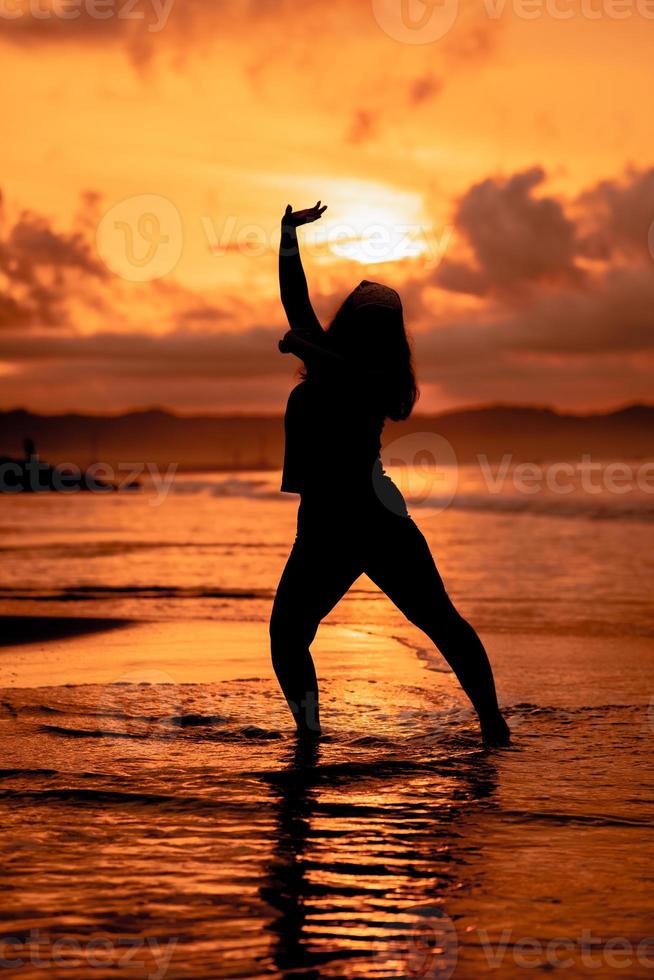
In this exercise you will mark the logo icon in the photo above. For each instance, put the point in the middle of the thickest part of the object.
(422, 470)
(416, 21)
(418, 943)
(140, 238)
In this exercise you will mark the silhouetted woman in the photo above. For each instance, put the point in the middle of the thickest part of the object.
(352, 518)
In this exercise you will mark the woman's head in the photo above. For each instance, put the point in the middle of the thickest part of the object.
(369, 330)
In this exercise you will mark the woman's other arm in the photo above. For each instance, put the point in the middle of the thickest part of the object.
(319, 357)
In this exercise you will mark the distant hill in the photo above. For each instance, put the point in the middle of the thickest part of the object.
(229, 442)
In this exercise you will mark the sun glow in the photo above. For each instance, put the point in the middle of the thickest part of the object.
(370, 222)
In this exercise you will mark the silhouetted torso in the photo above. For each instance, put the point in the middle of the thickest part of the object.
(333, 430)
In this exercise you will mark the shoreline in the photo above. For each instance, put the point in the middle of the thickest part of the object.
(51, 651)
(48, 651)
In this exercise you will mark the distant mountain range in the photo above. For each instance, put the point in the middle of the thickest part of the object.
(252, 442)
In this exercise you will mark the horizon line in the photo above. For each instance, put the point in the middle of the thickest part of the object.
(473, 407)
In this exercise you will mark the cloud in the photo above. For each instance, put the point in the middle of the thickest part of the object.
(179, 353)
(513, 316)
(38, 265)
(459, 277)
(515, 238)
(614, 316)
(544, 320)
(363, 126)
(146, 29)
(567, 346)
(53, 278)
(617, 215)
(424, 88)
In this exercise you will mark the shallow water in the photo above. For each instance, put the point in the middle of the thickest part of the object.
(394, 848)
(178, 831)
(215, 546)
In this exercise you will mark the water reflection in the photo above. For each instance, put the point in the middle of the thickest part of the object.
(362, 861)
(288, 889)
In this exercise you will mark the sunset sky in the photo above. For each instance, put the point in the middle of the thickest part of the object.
(500, 176)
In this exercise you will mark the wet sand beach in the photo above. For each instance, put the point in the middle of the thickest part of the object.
(160, 817)
(160, 820)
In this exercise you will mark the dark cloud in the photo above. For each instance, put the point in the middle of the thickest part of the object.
(146, 28)
(516, 238)
(458, 277)
(201, 314)
(537, 329)
(425, 88)
(559, 347)
(363, 126)
(542, 325)
(611, 317)
(180, 353)
(37, 266)
(33, 242)
(617, 215)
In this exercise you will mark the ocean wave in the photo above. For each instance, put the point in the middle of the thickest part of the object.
(78, 794)
(162, 731)
(37, 773)
(608, 508)
(100, 591)
(604, 506)
(580, 819)
(90, 592)
(107, 549)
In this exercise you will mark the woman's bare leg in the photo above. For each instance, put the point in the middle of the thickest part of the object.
(400, 563)
(319, 571)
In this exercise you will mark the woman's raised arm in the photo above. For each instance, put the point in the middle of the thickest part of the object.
(292, 280)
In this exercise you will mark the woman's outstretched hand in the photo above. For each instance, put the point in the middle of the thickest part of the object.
(296, 218)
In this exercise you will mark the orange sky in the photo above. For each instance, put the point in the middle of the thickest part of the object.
(498, 175)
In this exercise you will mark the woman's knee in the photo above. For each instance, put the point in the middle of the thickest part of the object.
(289, 632)
(440, 622)
(278, 628)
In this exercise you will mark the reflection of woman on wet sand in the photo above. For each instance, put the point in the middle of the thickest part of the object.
(352, 519)
(328, 864)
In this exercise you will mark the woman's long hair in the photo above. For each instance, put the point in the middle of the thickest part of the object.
(374, 338)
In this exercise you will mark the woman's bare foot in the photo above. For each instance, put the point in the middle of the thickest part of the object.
(495, 731)
(308, 733)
